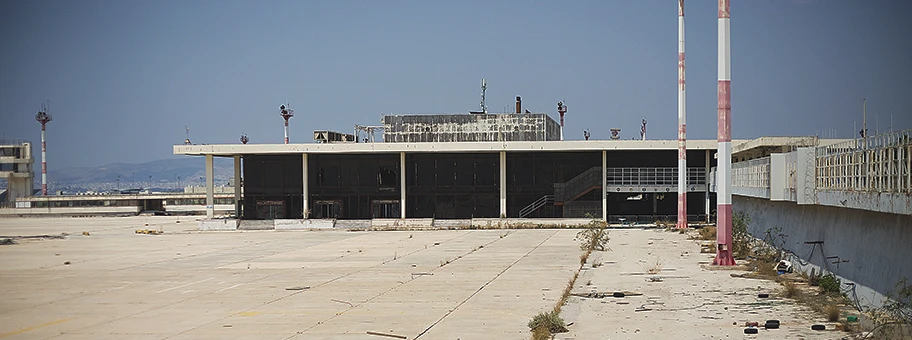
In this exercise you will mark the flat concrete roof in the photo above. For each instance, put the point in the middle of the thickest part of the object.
(227, 150)
(453, 147)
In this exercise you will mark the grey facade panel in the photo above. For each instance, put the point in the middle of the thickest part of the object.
(470, 128)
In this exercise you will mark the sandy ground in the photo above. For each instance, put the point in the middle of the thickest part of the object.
(456, 284)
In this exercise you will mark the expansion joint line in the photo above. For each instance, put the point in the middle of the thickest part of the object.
(353, 306)
(484, 285)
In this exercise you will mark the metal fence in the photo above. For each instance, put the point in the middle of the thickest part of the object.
(881, 163)
(754, 173)
(654, 176)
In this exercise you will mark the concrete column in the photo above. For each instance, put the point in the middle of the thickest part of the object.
(237, 186)
(706, 194)
(503, 183)
(778, 178)
(402, 185)
(210, 201)
(305, 193)
(605, 185)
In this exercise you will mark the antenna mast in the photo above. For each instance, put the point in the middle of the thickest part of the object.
(484, 88)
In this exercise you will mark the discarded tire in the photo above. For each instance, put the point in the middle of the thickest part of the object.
(618, 294)
(818, 327)
(773, 321)
(750, 331)
(763, 295)
(771, 325)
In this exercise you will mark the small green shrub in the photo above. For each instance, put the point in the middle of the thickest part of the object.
(829, 283)
(594, 236)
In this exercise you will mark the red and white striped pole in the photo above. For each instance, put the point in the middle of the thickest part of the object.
(723, 172)
(286, 113)
(682, 124)
(43, 117)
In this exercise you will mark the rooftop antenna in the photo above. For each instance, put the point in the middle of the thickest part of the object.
(484, 88)
(643, 130)
(187, 129)
(562, 109)
(44, 117)
(287, 112)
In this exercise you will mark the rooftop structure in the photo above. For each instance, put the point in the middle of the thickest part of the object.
(16, 168)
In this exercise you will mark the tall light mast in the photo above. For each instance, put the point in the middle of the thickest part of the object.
(723, 174)
(43, 117)
(682, 124)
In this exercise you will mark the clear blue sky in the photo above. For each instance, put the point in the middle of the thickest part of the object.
(124, 77)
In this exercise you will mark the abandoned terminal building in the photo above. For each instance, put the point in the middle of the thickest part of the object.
(463, 166)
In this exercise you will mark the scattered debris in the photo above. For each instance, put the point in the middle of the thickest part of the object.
(298, 288)
(818, 327)
(85, 233)
(341, 301)
(598, 295)
(751, 324)
(7, 241)
(436, 243)
(654, 279)
(763, 295)
(227, 325)
(387, 335)
(149, 231)
(421, 274)
(67, 263)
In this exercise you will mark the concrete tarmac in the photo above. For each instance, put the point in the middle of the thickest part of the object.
(186, 284)
(338, 284)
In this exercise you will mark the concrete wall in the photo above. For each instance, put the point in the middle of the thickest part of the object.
(877, 245)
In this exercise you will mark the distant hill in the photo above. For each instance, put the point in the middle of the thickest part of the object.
(160, 173)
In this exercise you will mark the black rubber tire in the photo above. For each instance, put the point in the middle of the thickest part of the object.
(773, 321)
(750, 331)
(771, 325)
(763, 295)
(818, 327)
(618, 294)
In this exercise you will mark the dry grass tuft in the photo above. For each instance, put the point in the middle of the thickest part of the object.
(707, 233)
(832, 312)
(655, 268)
(791, 289)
